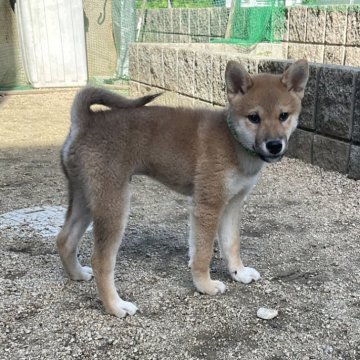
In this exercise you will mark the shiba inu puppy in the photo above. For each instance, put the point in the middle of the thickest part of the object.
(214, 156)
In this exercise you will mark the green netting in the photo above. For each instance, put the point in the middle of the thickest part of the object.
(250, 25)
(162, 4)
(124, 32)
(244, 22)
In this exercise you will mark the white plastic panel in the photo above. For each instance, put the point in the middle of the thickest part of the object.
(52, 42)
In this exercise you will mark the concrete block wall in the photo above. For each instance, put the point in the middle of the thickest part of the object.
(324, 34)
(193, 75)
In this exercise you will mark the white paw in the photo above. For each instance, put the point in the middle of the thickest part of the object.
(83, 273)
(122, 308)
(246, 275)
(211, 287)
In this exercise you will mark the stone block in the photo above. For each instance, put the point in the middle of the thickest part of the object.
(204, 22)
(151, 20)
(335, 28)
(300, 145)
(169, 98)
(356, 121)
(335, 89)
(134, 89)
(133, 62)
(161, 22)
(185, 23)
(145, 89)
(203, 76)
(168, 25)
(315, 25)
(296, 51)
(297, 24)
(354, 162)
(193, 22)
(184, 39)
(215, 23)
(168, 38)
(161, 38)
(224, 17)
(353, 26)
(186, 60)
(330, 154)
(176, 38)
(314, 53)
(170, 68)
(352, 56)
(334, 54)
(156, 66)
(176, 14)
(198, 39)
(150, 37)
(144, 53)
(307, 115)
(218, 86)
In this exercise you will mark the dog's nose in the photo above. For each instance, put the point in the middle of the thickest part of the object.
(274, 146)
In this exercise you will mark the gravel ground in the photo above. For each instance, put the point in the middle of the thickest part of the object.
(299, 229)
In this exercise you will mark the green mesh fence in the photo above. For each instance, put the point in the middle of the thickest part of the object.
(249, 25)
(244, 22)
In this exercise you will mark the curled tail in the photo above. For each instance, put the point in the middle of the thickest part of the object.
(91, 95)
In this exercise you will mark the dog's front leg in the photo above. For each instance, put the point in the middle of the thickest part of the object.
(229, 241)
(204, 222)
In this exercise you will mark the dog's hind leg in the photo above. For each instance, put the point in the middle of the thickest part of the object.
(77, 220)
(110, 212)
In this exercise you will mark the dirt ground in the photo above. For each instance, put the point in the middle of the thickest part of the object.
(300, 229)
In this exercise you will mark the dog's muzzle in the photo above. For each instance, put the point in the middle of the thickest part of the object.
(272, 150)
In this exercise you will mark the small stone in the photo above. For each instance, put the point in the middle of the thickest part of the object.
(267, 314)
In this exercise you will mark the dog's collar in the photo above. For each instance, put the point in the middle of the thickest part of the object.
(233, 132)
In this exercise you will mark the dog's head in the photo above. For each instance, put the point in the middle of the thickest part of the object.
(264, 108)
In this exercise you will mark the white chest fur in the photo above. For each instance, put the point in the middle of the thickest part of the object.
(238, 184)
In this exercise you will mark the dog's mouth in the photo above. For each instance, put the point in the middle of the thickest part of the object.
(271, 158)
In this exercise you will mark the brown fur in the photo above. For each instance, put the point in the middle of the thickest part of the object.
(191, 151)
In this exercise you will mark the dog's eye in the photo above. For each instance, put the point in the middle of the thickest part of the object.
(254, 118)
(283, 116)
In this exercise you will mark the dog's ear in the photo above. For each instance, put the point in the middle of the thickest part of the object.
(296, 76)
(237, 80)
